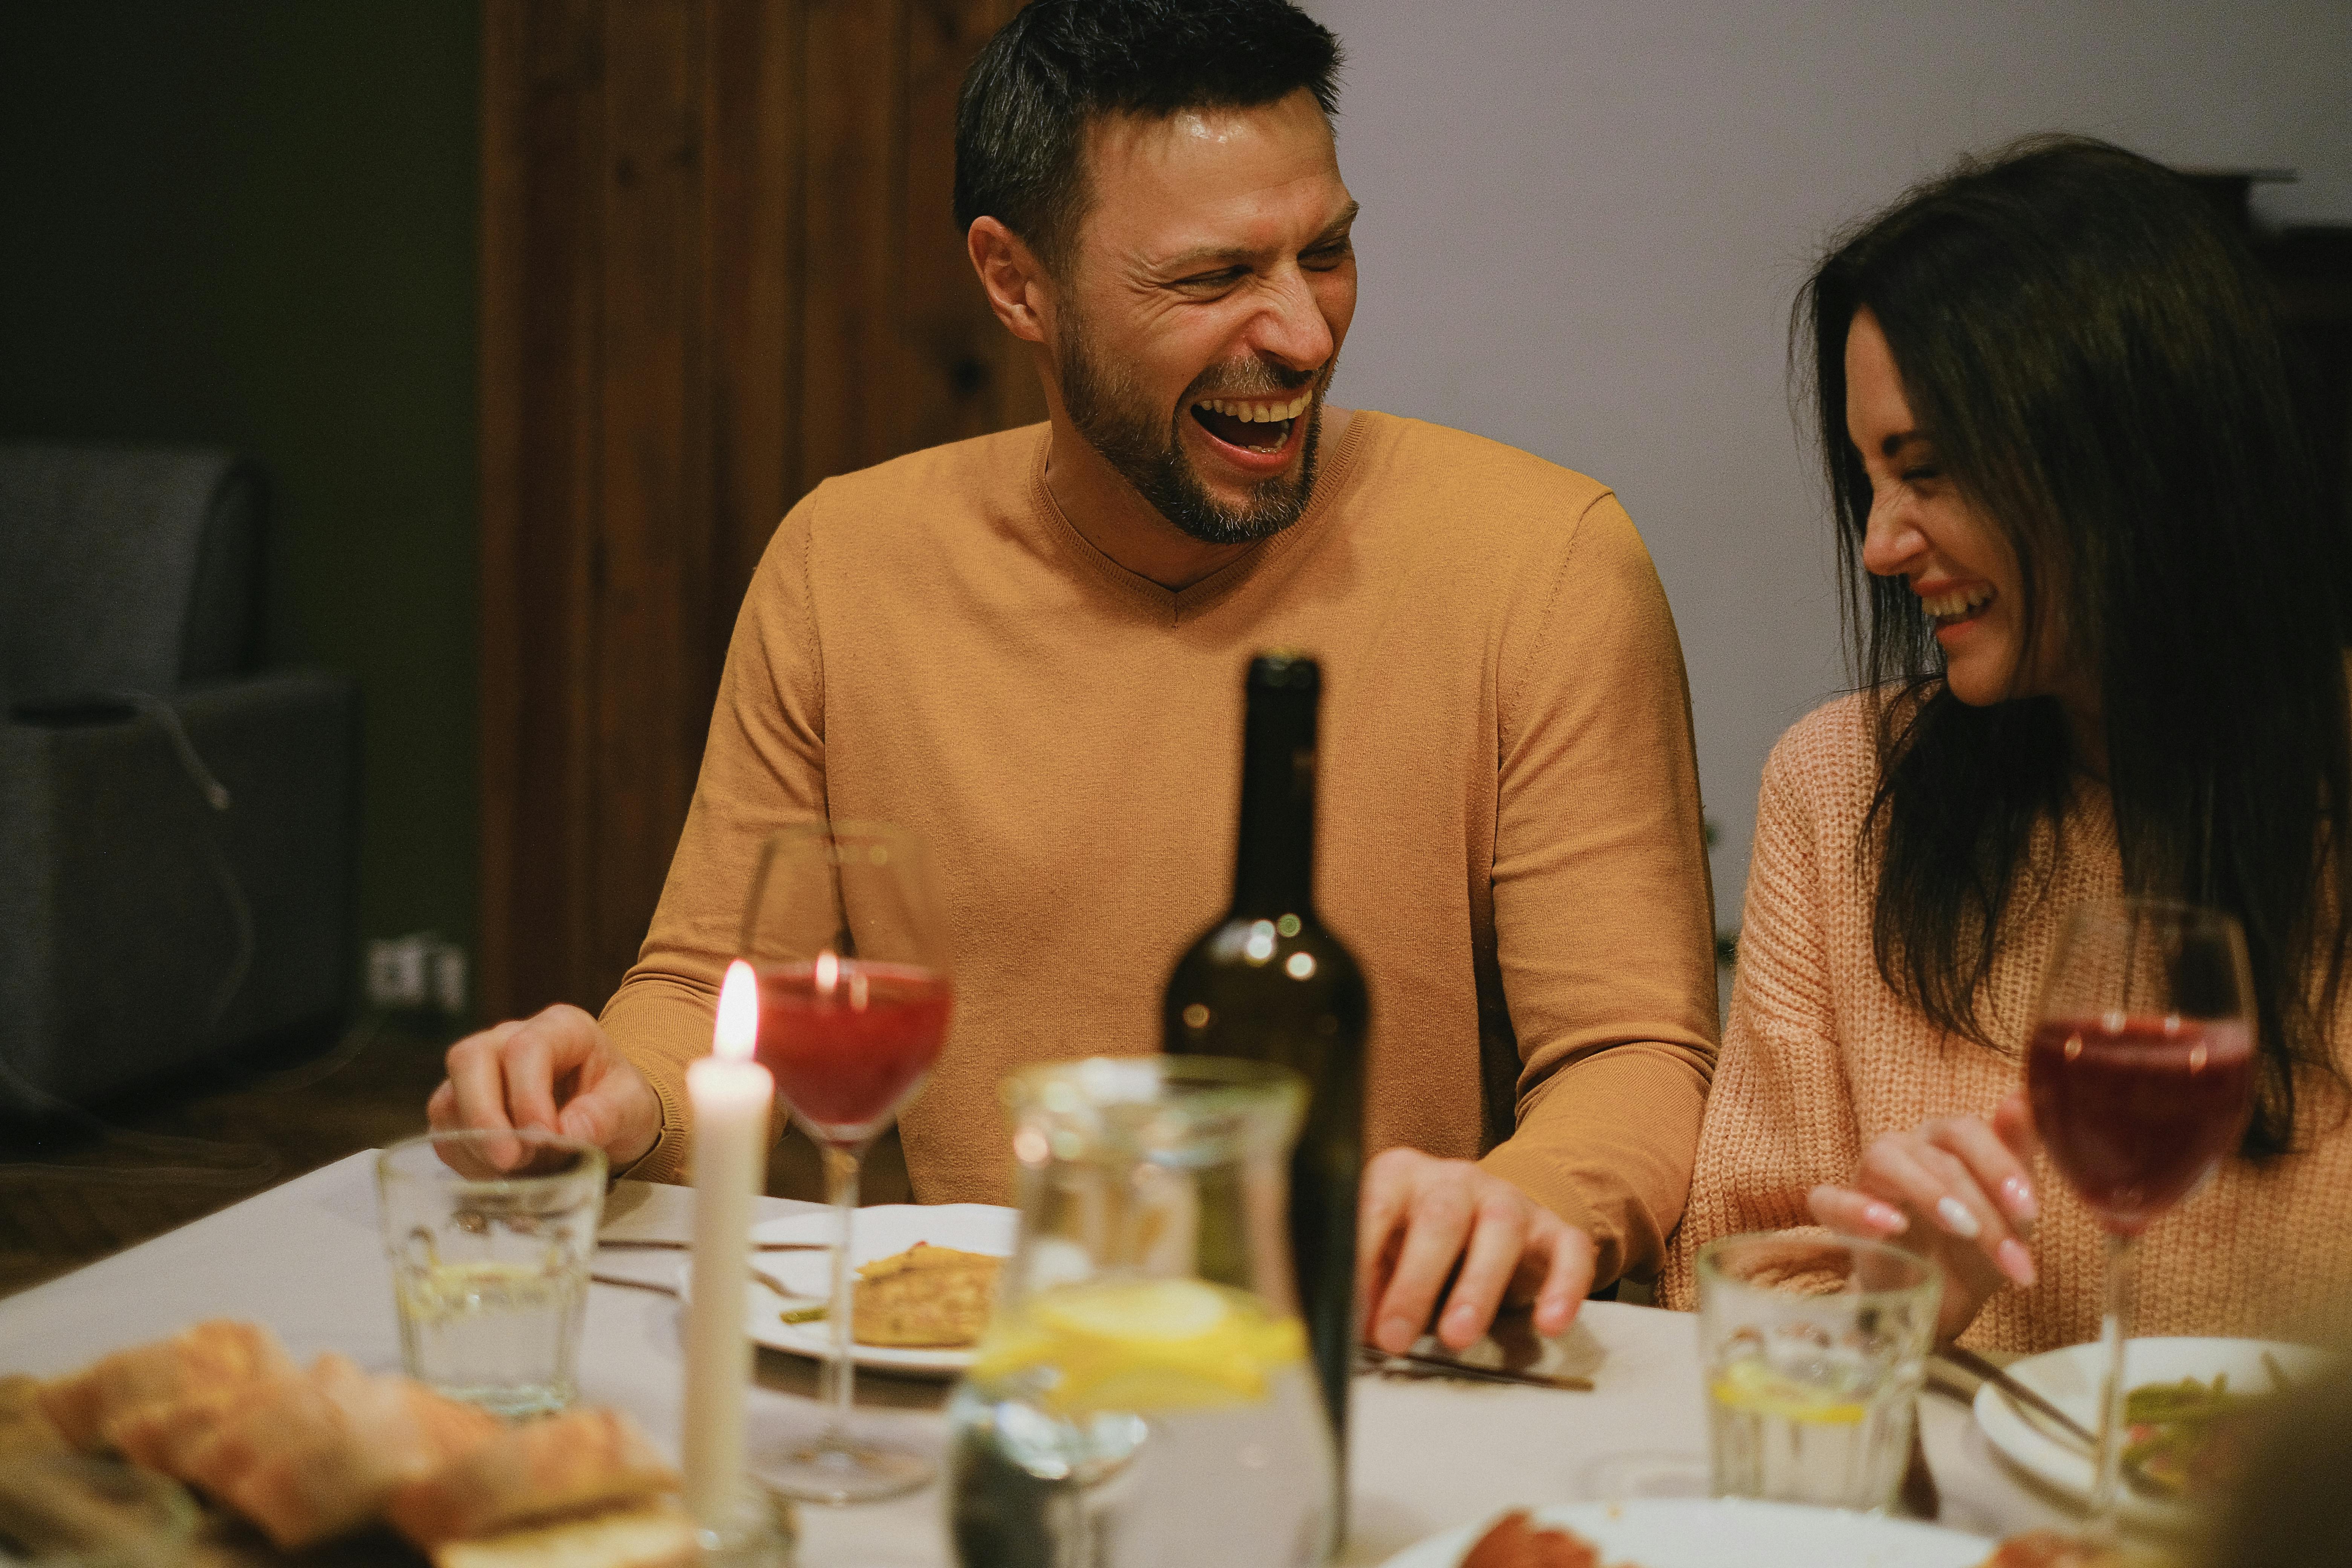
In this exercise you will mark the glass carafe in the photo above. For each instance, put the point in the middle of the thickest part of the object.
(1143, 1395)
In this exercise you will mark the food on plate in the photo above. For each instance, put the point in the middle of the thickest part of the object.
(2053, 1549)
(656, 1537)
(212, 1358)
(572, 1463)
(2187, 1439)
(926, 1297)
(1514, 1542)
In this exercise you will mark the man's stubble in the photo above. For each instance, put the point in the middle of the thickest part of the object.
(1115, 421)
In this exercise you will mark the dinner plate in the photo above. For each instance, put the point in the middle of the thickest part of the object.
(1707, 1533)
(875, 1231)
(2069, 1379)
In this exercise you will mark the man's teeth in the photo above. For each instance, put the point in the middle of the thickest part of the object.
(1958, 602)
(1256, 412)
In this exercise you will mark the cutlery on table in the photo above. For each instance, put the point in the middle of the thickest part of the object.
(1417, 1364)
(665, 1242)
(2030, 1406)
(632, 1282)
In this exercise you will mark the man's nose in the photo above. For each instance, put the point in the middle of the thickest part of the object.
(1290, 325)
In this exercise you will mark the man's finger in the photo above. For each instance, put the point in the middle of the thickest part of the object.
(1569, 1280)
(441, 1108)
(530, 1064)
(1380, 1207)
(1435, 1229)
(1498, 1233)
(479, 1081)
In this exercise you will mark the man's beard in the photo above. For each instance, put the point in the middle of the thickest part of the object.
(1113, 417)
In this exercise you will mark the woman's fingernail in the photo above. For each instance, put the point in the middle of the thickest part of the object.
(1957, 1217)
(2015, 1261)
(1888, 1218)
(2017, 1197)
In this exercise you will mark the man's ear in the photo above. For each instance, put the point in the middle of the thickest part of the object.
(1015, 280)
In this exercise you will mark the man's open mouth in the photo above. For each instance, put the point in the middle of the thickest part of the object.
(1261, 425)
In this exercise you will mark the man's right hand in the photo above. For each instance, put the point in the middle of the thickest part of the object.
(555, 1071)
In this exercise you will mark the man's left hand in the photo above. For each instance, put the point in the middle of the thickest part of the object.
(1421, 1214)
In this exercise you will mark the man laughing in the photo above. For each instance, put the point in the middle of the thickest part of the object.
(1028, 649)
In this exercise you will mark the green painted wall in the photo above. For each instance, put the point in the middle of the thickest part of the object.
(253, 222)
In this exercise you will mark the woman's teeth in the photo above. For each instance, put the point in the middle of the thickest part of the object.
(1956, 603)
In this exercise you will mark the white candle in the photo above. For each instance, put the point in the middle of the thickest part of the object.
(730, 1094)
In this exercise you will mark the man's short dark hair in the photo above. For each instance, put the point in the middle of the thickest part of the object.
(1022, 119)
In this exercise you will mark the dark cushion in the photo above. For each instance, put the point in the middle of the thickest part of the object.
(125, 569)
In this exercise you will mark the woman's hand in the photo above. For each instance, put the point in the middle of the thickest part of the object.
(1958, 1189)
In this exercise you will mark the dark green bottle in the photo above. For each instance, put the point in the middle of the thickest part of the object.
(1268, 982)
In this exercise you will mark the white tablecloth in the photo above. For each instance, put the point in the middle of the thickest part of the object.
(305, 1258)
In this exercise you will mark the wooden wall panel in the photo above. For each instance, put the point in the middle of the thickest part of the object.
(718, 266)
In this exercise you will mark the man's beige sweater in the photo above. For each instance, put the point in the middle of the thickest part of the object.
(1510, 824)
(1820, 1057)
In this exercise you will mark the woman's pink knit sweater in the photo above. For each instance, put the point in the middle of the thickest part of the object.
(1820, 1057)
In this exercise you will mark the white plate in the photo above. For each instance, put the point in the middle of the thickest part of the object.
(1702, 1532)
(878, 1232)
(2070, 1380)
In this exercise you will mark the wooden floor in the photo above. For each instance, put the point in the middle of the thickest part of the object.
(71, 1192)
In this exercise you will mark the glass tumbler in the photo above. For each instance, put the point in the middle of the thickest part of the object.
(1813, 1349)
(490, 1236)
(1143, 1394)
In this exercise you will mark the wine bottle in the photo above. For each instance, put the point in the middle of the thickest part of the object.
(1267, 982)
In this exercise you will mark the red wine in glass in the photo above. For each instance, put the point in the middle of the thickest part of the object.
(2137, 1111)
(2140, 1071)
(849, 1039)
(848, 933)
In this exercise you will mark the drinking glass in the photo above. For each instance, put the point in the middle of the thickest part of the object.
(1813, 1349)
(1143, 1395)
(489, 1261)
(2140, 1071)
(846, 932)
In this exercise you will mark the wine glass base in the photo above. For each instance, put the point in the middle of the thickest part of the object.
(838, 1473)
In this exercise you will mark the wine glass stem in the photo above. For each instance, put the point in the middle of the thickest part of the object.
(2115, 1328)
(840, 1373)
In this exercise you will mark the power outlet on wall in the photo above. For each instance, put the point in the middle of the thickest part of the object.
(421, 971)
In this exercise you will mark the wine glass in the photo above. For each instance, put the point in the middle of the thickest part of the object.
(845, 933)
(2140, 1071)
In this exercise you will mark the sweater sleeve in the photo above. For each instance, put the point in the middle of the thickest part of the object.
(1602, 912)
(762, 766)
(1782, 1118)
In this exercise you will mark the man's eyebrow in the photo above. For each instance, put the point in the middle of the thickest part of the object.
(1230, 253)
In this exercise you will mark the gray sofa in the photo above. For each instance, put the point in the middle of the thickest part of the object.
(177, 831)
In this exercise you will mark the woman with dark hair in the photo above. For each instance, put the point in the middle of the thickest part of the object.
(2096, 611)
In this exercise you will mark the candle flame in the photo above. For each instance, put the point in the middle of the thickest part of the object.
(828, 970)
(739, 1013)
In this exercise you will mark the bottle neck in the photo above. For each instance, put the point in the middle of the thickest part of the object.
(1274, 860)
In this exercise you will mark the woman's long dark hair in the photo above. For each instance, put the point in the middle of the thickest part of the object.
(2094, 355)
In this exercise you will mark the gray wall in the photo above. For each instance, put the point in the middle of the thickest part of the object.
(1583, 224)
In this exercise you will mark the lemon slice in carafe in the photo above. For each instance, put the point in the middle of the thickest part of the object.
(1144, 1346)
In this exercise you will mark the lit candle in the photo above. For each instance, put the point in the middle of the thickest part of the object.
(730, 1094)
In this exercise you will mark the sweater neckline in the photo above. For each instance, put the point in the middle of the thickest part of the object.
(1173, 607)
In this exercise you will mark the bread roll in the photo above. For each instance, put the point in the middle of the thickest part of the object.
(212, 1357)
